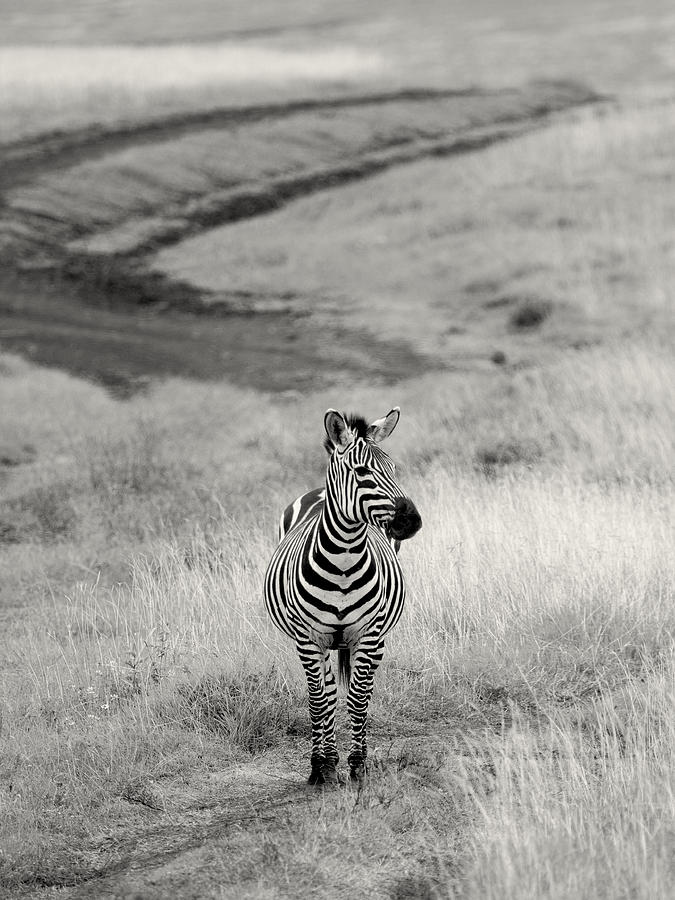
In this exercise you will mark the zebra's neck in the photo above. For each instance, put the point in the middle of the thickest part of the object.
(337, 540)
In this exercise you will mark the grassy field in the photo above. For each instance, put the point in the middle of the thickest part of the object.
(154, 733)
(560, 237)
(525, 702)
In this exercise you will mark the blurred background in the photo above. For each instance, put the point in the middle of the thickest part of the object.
(158, 163)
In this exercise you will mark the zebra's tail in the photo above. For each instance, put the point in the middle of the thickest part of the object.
(344, 665)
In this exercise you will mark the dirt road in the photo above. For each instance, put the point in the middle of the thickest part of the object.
(105, 314)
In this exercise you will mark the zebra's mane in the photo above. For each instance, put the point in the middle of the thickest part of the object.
(356, 423)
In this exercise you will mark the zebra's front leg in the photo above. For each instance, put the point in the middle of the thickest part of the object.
(364, 665)
(313, 663)
(330, 751)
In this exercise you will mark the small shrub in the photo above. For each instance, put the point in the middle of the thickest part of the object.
(12, 455)
(140, 790)
(531, 312)
(9, 533)
(418, 887)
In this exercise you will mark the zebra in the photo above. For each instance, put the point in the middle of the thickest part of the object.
(334, 581)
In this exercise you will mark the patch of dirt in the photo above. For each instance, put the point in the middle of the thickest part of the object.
(124, 347)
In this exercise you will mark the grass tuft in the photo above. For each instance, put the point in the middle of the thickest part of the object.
(508, 453)
(254, 710)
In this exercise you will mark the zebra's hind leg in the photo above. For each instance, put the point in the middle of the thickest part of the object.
(312, 661)
(366, 660)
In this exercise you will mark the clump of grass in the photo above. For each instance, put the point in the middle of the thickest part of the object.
(507, 453)
(9, 533)
(44, 513)
(140, 790)
(253, 710)
(418, 887)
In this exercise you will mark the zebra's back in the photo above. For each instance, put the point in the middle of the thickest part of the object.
(304, 507)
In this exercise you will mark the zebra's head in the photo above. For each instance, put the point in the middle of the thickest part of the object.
(360, 482)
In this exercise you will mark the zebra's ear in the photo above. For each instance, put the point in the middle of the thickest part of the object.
(382, 428)
(336, 428)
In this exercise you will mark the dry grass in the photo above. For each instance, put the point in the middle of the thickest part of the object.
(606, 829)
(572, 220)
(541, 595)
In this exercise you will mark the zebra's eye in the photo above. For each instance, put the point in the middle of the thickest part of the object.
(361, 471)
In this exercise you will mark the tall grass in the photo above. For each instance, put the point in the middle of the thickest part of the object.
(572, 815)
(540, 602)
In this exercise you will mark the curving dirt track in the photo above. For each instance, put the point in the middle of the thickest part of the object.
(82, 213)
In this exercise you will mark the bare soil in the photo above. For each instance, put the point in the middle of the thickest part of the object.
(124, 347)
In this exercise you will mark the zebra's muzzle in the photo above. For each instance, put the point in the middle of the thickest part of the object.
(406, 520)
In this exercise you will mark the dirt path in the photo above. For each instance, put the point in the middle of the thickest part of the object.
(23, 160)
(226, 835)
(77, 243)
(171, 854)
(256, 830)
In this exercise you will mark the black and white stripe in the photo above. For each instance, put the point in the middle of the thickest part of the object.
(306, 506)
(335, 583)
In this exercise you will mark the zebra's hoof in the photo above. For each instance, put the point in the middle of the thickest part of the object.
(357, 773)
(331, 774)
(316, 776)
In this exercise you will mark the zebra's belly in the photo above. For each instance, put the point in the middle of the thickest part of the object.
(332, 618)
(332, 634)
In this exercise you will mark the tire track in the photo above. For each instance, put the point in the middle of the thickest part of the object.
(63, 237)
(141, 855)
(23, 160)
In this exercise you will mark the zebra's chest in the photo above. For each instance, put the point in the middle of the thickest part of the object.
(338, 585)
